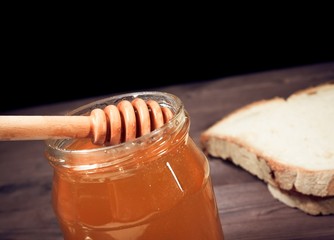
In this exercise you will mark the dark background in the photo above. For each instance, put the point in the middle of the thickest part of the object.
(49, 58)
(37, 75)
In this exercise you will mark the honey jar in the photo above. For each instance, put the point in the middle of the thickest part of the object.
(156, 186)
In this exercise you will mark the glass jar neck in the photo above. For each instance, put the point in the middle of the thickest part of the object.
(128, 154)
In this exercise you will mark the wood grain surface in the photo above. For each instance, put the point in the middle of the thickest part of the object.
(246, 208)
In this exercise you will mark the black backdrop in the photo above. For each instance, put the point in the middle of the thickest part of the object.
(31, 79)
(47, 59)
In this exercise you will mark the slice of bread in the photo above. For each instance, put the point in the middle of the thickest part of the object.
(307, 203)
(288, 143)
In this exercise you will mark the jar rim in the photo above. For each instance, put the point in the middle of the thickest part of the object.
(56, 148)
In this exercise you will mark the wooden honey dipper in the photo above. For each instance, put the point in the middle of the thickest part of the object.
(112, 125)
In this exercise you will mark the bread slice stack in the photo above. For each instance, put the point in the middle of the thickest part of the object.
(287, 143)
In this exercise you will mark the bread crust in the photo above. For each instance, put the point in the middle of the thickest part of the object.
(281, 175)
(287, 177)
(308, 204)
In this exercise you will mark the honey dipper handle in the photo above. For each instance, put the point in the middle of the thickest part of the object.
(43, 127)
(54, 127)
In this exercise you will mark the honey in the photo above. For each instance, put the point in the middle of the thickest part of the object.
(155, 187)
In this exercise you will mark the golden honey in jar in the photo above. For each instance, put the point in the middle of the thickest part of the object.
(156, 186)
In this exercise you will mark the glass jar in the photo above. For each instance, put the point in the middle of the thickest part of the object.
(157, 186)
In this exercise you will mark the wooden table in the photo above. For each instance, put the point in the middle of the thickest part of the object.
(246, 208)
